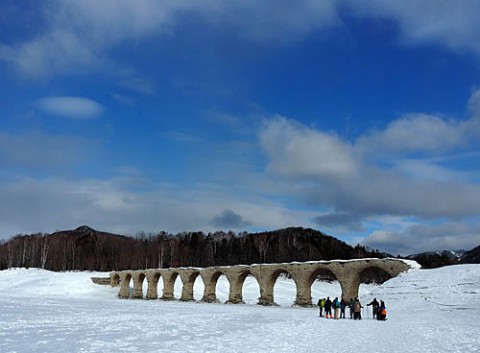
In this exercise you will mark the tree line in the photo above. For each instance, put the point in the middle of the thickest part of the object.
(87, 249)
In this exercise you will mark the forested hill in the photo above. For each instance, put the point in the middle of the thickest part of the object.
(87, 249)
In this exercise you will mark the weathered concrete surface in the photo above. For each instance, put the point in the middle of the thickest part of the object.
(104, 281)
(347, 272)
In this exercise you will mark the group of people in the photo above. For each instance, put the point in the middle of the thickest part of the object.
(355, 308)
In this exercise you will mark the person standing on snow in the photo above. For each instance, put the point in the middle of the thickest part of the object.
(357, 309)
(328, 308)
(350, 307)
(374, 304)
(343, 305)
(382, 311)
(321, 304)
(336, 308)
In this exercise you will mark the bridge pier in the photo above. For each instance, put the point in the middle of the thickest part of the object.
(152, 279)
(350, 284)
(236, 278)
(124, 286)
(137, 285)
(266, 278)
(210, 277)
(169, 278)
(188, 278)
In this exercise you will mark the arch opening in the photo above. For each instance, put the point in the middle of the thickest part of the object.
(323, 284)
(250, 289)
(177, 286)
(198, 286)
(370, 279)
(144, 284)
(160, 286)
(129, 283)
(374, 275)
(284, 288)
(221, 287)
(154, 291)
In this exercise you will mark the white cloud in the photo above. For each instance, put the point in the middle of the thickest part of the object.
(396, 172)
(139, 85)
(418, 238)
(453, 25)
(77, 108)
(297, 151)
(117, 204)
(271, 20)
(474, 104)
(415, 133)
(81, 33)
(55, 52)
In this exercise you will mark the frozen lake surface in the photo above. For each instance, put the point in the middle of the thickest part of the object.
(428, 310)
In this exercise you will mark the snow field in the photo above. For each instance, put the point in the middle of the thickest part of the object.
(428, 310)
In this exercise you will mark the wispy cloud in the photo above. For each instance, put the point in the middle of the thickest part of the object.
(453, 26)
(82, 33)
(77, 108)
(36, 150)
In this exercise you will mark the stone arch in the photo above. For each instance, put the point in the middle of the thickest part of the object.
(274, 279)
(210, 277)
(153, 278)
(321, 273)
(270, 277)
(115, 279)
(188, 278)
(125, 278)
(237, 278)
(169, 278)
(138, 279)
(374, 274)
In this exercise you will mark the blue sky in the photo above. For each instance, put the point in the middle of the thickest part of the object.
(357, 118)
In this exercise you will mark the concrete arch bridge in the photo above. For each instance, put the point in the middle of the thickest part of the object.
(348, 272)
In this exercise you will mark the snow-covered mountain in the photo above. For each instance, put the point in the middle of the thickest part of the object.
(434, 259)
(471, 257)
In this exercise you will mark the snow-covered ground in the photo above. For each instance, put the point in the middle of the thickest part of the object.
(429, 311)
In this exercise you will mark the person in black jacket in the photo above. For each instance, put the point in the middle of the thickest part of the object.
(328, 308)
(374, 304)
(350, 307)
(382, 311)
(343, 305)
